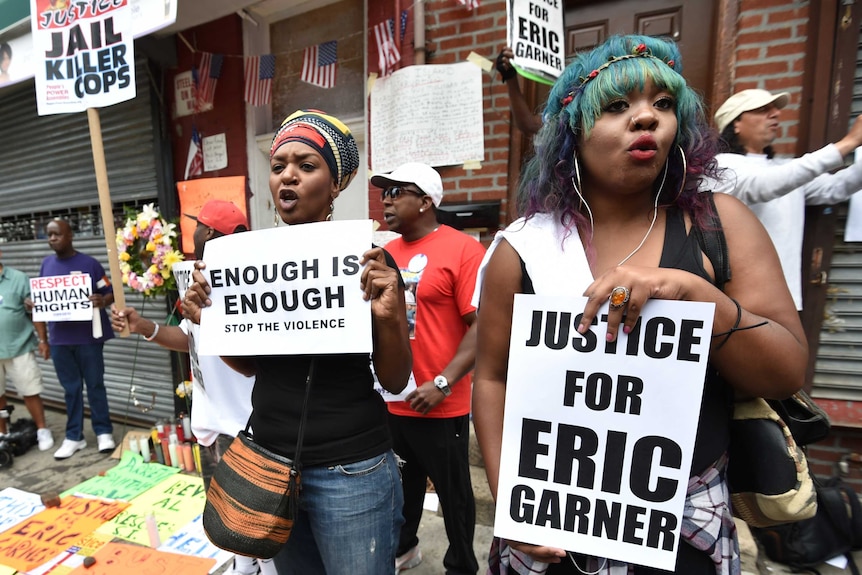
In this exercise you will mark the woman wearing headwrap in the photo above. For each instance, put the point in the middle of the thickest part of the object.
(610, 204)
(350, 501)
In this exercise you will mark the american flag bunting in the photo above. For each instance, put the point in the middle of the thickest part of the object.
(206, 77)
(403, 24)
(259, 71)
(319, 64)
(388, 54)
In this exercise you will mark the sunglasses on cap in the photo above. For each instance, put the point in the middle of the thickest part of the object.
(394, 192)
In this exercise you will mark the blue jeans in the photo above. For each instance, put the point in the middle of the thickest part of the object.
(77, 365)
(348, 521)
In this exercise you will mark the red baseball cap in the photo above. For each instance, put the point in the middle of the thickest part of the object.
(221, 216)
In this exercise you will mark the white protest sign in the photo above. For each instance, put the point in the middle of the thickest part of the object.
(62, 298)
(83, 54)
(592, 462)
(183, 275)
(388, 395)
(536, 35)
(288, 290)
(443, 128)
(853, 227)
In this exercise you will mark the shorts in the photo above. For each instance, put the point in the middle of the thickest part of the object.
(23, 372)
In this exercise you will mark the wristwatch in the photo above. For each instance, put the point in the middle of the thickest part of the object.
(441, 383)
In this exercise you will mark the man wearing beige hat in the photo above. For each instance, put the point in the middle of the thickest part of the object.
(777, 190)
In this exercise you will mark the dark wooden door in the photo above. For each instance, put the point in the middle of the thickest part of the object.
(689, 23)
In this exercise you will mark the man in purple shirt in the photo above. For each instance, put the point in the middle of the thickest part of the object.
(76, 346)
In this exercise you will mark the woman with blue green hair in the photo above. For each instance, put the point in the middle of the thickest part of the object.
(612, 211)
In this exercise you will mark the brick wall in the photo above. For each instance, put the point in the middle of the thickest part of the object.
(770, 54)
(451, 33)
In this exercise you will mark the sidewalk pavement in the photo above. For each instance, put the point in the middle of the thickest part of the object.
(38, 472)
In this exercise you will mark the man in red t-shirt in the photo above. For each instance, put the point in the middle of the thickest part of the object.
(431, 428)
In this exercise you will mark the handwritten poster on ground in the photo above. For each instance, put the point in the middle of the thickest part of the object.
(62, 298)
(535, 33)
(84, 55)
(174, 502)
(269, 300)
(192, 540)
(443, 127)
(41, 537)
(16, 506)
(195, 193)
(124, 559)
(126, 480)
(598, 466)
(73, 557)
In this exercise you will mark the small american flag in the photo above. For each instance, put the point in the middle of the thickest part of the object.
(403, 24)
(259, 71)
(388, 54)
(195, 162)
(319, 64)
(206, 78)
(469, 3)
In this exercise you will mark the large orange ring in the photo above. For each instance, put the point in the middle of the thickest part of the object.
(619, 297)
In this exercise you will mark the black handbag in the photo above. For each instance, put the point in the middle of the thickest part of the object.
(252, 499)
(767, 471)
(836, 529)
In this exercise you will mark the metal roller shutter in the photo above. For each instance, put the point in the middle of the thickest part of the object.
(47, 161)
(47, 171)
(128, 361)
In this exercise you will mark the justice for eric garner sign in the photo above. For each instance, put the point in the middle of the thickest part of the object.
(535, 34)
(288, 291)
(62, 298)
(598, 436)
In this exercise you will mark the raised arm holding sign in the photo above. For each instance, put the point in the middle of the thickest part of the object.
(626, 426)
(86, 57)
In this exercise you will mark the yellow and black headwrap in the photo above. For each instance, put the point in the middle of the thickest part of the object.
(326, 134)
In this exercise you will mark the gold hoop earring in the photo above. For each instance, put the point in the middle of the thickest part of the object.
(276, 219)
(331, 211)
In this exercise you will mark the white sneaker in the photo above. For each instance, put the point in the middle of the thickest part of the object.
(243, 566)
(106, 443)
(46, 440)
(68, 448)
(409, 560)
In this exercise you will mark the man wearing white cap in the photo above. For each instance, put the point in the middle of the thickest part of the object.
(431, 428)
(777, 190)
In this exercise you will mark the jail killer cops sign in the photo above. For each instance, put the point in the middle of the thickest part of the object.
(598, 436)
(83, 54)
(62, 298)
(535, 34)
(288, 290)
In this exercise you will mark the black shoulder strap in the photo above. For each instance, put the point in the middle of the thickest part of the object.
(712, 242)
